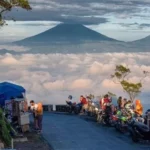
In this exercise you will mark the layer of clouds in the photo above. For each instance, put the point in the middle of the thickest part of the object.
(15, 48)
(51, 78)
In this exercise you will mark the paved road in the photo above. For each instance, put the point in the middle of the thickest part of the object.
(69, 132)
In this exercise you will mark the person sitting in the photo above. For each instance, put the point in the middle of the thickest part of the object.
(106, 102)
(84, 104)
(124, 102)
(138, 107)
(129, 107)
(138, 110)
(119, 101)
(101, 103)
(69, 101)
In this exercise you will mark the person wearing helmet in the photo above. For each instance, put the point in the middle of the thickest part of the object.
(69, 101)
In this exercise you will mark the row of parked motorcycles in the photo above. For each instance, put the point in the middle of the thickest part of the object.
(125, 122)
(121, 120)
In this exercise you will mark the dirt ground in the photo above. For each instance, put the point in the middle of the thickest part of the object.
(35, 142)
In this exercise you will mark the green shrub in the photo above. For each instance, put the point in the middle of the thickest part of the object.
(5, 129)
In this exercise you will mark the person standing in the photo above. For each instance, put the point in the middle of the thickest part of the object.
(32, 108)
(38, 110)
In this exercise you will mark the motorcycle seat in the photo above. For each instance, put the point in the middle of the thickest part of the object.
(142, 127)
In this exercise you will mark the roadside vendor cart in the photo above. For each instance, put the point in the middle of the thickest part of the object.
(13, 100)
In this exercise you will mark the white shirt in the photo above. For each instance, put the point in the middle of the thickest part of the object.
(35, 107)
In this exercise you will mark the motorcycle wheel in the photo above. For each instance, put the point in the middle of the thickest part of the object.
(76, 111)
(88, 113)
(103, 121)
(134, 138)
(112, 123)
(122, 130)
(117, 126)
(98, 118)
(69, 110)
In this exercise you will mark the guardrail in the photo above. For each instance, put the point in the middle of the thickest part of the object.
(57, 108)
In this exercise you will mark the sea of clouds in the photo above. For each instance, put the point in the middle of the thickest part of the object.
(51, 78)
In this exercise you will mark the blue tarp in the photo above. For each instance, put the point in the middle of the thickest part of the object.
(8, 90)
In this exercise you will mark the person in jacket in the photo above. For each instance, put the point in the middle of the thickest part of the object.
(106, 102)
(138, 108)
(38, 112)
(84, 103)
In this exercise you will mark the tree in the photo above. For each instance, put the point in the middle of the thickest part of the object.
(111, 94)
(132, 89)
(7, 5)
(91, 96)
(5, 130)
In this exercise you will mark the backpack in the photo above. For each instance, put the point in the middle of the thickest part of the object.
(40, 109)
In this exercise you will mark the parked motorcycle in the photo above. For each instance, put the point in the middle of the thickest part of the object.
(112, 120)
(92, 109)
(124, 118)
(121, 124)
(104, 117)
(146, 116)
(78, 108)
(139, 131)
(73, 107)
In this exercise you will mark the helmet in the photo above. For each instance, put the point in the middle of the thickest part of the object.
(70, 97)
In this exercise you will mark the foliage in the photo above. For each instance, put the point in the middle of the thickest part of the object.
(91, 96)
(5, 129)
(132, 89)
(8, 5)
(108, 93)
(111, 94)
(121, 72)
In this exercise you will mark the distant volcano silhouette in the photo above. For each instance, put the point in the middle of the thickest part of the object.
(66, 33)
(144, 41)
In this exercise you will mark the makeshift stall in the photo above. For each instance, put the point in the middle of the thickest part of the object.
(14, 102)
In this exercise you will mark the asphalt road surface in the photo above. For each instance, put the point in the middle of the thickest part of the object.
(70, 132)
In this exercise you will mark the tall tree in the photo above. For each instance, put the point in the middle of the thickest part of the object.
(120, 76)
(8, 5)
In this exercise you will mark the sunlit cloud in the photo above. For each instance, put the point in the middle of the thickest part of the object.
(51, 78)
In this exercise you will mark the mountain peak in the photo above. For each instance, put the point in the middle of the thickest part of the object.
(67, 33)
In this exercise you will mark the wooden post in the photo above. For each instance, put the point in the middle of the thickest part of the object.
(12, 143)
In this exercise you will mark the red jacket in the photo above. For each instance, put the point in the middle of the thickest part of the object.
(103, 101)
(84, 101)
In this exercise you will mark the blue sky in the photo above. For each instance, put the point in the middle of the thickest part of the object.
(125, 20)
